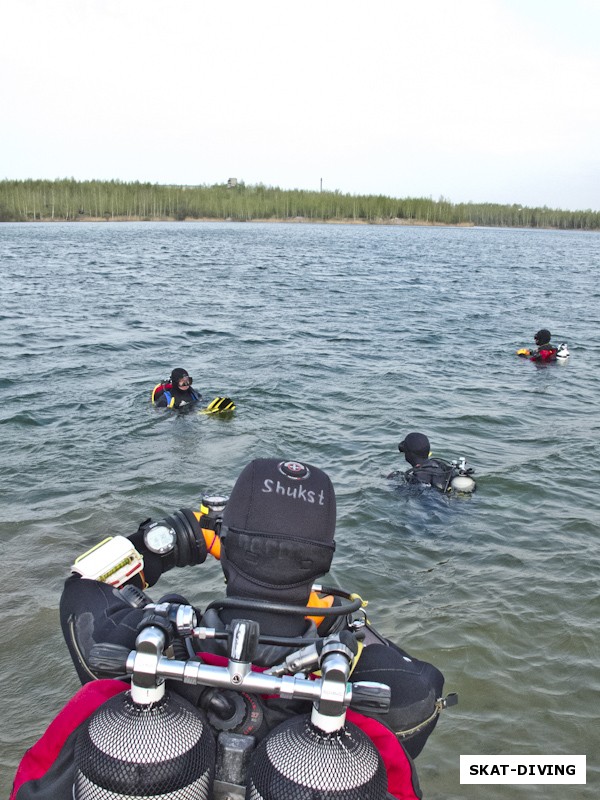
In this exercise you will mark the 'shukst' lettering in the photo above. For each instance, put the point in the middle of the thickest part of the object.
(296, 492)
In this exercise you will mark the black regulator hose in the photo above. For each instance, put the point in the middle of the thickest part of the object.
(243, 603)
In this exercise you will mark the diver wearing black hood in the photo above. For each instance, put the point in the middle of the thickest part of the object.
(276, 537)
(176, 392)
(545, 351)
(424, 470)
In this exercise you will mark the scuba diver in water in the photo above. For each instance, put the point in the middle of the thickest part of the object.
(274, 537)
(176, 392)
(545, 351)
(424, 470)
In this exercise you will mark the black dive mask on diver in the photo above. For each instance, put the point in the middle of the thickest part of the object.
(177, 375)
(278, 530)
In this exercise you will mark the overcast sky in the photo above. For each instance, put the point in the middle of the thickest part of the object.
(473, 100)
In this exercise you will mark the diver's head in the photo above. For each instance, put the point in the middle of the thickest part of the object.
(277, 532)
(415, 448)
(542, 337)
(180, 379)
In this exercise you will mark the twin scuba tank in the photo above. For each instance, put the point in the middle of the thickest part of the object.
(128, 749)
(151, 742)
(166, 750)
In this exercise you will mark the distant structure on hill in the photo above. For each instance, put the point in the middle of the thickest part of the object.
(232, 183)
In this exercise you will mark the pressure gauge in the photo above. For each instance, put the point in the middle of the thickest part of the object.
(215, 503)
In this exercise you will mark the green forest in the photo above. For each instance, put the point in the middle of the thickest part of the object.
(71, 200)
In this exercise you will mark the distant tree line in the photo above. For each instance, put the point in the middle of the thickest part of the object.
(28, 200)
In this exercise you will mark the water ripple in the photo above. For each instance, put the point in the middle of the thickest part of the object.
(335, 341)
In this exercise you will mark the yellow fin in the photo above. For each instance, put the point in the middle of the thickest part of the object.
(220, 405)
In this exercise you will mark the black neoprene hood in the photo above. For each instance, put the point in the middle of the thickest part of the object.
(416, 443)
(542, 337)
(177, 374)
(278, 530)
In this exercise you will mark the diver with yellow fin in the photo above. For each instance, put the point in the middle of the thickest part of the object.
(546, 352)
(177, 392)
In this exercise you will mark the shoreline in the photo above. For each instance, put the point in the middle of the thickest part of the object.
(68, 200)
(274, 220)
(395, 222)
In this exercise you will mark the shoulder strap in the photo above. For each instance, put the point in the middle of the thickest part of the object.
(161, 388)
(157, 389)
(449, 472)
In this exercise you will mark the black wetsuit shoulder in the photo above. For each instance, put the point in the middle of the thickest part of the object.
(432, 472)
(546, 352)
(163, 398)
(92, 612)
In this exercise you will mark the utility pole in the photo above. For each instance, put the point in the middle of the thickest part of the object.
(321, 184)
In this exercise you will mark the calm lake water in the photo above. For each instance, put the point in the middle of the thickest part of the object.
(335, 341)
